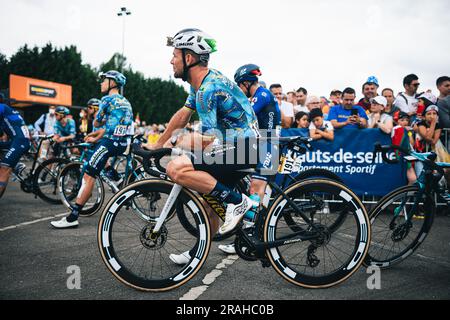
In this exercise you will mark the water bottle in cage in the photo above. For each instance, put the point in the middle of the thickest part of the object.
(250, 216)
(19, 168)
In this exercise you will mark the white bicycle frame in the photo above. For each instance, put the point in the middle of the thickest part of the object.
(173, 196)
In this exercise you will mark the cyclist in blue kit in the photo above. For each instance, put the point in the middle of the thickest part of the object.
(267, 110)
(269, 118)
(64, 129)
(116, 115)
(12, 123)
(226, 117)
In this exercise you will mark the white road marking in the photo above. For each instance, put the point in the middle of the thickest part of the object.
(33, 222)
(196, 292)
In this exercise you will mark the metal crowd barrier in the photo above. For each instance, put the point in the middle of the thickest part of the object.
(445, 138)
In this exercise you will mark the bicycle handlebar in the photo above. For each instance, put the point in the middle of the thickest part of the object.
(45, 137)
(152, 158)
(384, 149)
(297, 143)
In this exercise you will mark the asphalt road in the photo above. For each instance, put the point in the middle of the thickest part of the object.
(35, 260)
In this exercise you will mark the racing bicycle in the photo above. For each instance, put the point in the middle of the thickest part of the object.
(71, 181)
(315, 233)
(402, 219)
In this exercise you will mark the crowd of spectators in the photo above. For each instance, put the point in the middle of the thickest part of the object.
(419, 118)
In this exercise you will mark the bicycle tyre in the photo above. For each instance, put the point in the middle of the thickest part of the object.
(353, 211)
(68, 195)
(114, 255)
(42, 172)
(382, 209)
(318, 173)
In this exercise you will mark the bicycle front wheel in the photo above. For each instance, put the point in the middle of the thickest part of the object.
(138, 258)
(400, 223)
(330, 247)
(45, 181)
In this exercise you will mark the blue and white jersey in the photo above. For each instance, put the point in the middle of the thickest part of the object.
(117, 112)
(222, 106)
(12, 123)
(67, 130)
(266, 108)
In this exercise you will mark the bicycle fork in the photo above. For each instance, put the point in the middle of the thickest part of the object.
(173, 196)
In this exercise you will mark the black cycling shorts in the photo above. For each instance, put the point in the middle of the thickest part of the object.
(224, 161)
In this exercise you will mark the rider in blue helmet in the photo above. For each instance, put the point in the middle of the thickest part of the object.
(65, 128)
(269, 121)
(116, 116)
(119, 79)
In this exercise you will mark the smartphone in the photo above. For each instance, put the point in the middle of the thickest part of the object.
(354, 112)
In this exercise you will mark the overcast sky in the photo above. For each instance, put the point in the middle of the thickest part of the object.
(318, 44)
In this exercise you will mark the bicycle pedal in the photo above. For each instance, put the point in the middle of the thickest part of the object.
(265, 263)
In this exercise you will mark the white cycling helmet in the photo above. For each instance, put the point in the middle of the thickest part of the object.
(193, 39)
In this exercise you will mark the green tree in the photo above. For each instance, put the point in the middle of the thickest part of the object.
(156, 100)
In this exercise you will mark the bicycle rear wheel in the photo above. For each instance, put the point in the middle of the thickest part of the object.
(69, 184)
(394, 238)
(339, 233)
(137, 260)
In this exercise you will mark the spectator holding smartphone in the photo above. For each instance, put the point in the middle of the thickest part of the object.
(348, 114)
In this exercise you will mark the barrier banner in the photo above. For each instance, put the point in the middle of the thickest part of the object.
(350, 156)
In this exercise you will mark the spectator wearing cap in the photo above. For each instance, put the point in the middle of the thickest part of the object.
(428, 130)
(302, 96)
(407, 101)
(301, 120)
(320, 128)
(423, 101)
(348, 114)
(402, 135)
(377, 117)
(369, 90)
(390, 109)
(335, 97)
(286, 108)
(262, 84)
(443, 85)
